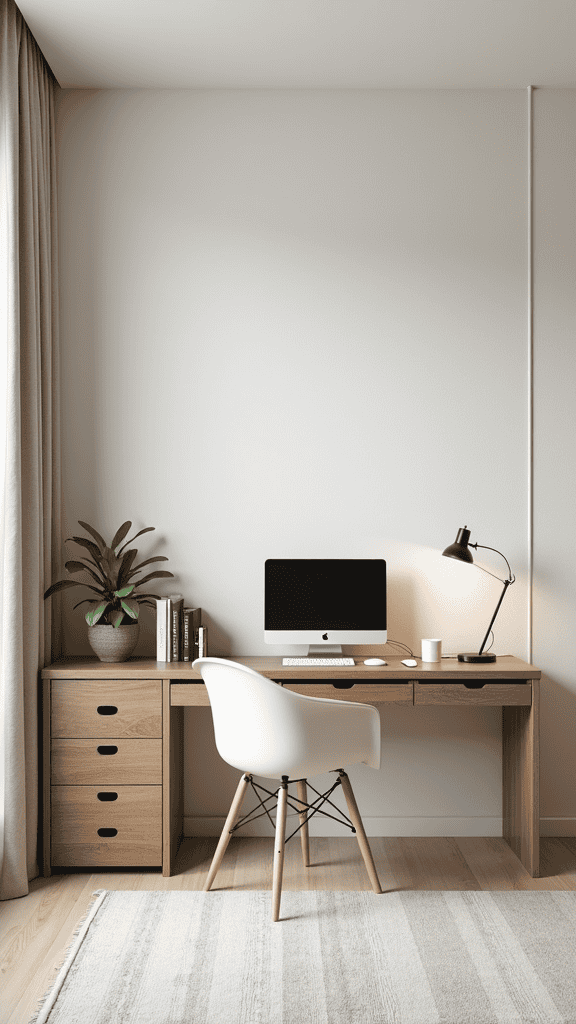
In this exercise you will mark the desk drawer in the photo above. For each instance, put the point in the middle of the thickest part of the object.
(489, 695)
(361, 693)
(87, 830)
(106, 707)
(106, 762)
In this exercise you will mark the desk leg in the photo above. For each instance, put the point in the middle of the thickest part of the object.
(520, 780)
(172, 808)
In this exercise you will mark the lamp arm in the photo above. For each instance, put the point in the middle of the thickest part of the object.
(511, 577)
(506, 585)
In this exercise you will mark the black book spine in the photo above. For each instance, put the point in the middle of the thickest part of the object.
(187, 635)
(196, 623)
(176, 630)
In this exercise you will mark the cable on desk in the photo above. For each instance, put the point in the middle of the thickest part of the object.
(397, 643)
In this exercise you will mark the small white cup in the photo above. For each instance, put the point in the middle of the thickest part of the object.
(431, 650)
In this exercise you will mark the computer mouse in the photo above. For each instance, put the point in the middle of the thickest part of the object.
(410, 663)
(375, 661)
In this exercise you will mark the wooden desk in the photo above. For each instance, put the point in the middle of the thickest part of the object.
(149, 697)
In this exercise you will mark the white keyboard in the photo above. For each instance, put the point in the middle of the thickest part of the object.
(321, 662)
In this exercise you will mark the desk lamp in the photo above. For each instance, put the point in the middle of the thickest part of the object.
(460, 549)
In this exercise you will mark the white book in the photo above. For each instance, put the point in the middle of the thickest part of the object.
(202, 642)
(168, 630)
(162, 634)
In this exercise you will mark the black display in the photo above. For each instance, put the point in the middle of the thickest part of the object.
(325, 594)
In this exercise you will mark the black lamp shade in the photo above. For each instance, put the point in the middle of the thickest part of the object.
(459, 549)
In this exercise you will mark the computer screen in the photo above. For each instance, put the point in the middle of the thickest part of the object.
(325, 602)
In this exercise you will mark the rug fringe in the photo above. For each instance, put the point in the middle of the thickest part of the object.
(47, 1001)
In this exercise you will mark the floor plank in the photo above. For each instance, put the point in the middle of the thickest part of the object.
(36, 930)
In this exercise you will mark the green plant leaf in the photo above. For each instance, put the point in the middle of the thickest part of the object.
(161, 574)
(124, 592)
(126, 565)
(62, 585)
(75, 566)
(93, 617)
(94, 533)
(117, 618)
(87, 600)
(111, 566)
(148, 561)
(147, 529)
(89, 545)
(120, 534)
(131, 608)
(98, 576)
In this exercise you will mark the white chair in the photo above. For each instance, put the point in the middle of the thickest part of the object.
(264, 729)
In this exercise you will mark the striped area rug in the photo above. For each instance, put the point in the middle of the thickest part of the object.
(334, 958)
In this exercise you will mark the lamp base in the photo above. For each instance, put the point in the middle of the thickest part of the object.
(477, 658)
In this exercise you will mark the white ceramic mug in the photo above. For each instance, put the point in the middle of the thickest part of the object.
(431, 650)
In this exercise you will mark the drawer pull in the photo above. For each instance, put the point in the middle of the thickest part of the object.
(107, 709)
(107, 796)
(107, 833)
(103, 749)
(474, 684)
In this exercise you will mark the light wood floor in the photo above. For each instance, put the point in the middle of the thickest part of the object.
(36, 930)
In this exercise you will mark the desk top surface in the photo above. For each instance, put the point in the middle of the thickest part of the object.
(505, 667)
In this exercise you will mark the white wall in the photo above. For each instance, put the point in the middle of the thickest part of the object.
(554, 449)
(294, 324)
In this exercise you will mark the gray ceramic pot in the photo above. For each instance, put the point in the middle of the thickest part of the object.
(110, 644)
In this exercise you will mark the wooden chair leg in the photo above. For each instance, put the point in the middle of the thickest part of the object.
(279, 849)
(225, 836)
(304, 837)
(360, 833)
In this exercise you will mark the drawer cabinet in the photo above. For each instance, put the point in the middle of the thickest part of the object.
(486, 694)
(109, 760)
(106, 707)
(106, 825)
(105, 740)
(361, 693)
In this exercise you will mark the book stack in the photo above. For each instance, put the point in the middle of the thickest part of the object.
(180, 635)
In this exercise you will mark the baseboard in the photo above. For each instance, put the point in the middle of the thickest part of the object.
(401, 826)
(375, 826)
(559, 827)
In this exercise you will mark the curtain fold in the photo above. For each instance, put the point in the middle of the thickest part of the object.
(30, 501)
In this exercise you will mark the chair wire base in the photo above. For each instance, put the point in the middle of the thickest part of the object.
(305, 811)
(309, 809)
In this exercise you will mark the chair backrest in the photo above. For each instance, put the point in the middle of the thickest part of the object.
(263, 728)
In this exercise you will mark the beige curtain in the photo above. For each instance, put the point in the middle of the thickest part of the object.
(29, 438)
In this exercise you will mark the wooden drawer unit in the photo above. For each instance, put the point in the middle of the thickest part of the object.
(106, 707)
(488, 694)
(108, 760)
(361, 693)
(104, 825)
(105, 765)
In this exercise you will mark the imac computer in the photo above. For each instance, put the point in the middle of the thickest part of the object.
(325, 602)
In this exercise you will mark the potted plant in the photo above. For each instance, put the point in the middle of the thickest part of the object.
(109, 572)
